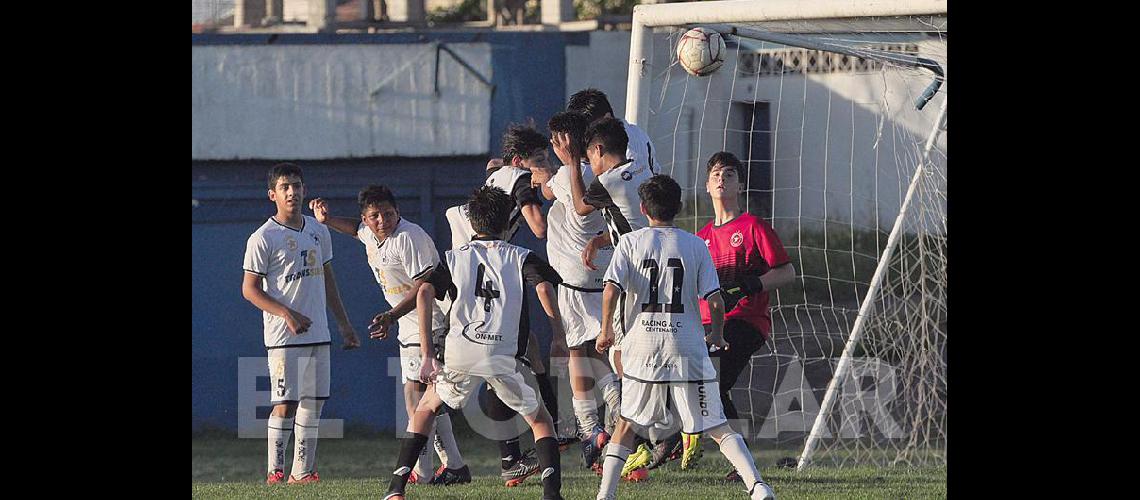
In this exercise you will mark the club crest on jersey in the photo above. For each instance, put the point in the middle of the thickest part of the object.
(290, 243)
(737, 239)
(625, 176)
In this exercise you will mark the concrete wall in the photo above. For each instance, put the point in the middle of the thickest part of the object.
(315, 102)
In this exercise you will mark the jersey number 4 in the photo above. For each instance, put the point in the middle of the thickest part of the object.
(487, 293)
(675, 306)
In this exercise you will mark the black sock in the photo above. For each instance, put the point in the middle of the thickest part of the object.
(410, 448)
(549, 467)
(549, 398)
(509, 452)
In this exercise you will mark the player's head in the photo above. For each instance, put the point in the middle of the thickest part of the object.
(660, 198)
(286, 187)
(489, 210)
(573, 123)
(724, 176)
(524, 147)
(592, 103)
(378, 210)
(605, 137)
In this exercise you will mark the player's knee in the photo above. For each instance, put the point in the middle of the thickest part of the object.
(285, 410)
(309, 412)
(720, 432)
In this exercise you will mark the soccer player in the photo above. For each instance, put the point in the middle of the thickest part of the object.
(750, 261)
(659, 273)
(401, 255)
(613, 192)
(524, 152)
(594, 104)
(580, 294)
(486, 282)
(289, 276)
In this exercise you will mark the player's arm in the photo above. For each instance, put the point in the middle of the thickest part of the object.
(591, 250)
(346, 225)
(609, 304)
(296, 322)
(530, 205)
(539, 178)
(438, 281)
(564, 150)
(332, 297)
(715, 337)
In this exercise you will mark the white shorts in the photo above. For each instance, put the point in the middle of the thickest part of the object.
(297, 373)
(455, 389)
(411, 358)
(581, 314)
(649, 404)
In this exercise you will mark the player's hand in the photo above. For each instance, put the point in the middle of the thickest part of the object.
(351, 341)
(716, 342)
(429, 368)
(381, 324)
(297, 323)
(605, 341)
(591, 251)
(563, 148)
(494, 163)
(540, 176)
(320, 209)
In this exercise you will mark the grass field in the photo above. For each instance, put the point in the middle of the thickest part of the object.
(359, 467)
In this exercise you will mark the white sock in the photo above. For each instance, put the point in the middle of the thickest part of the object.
(733, 448)
(586, 411)
(612, 463)
(611, 392)
(425, 466)
(279, 430)
(305, 429)
(445, 445)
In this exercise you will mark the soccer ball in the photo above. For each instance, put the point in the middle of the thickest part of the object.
(701, 51)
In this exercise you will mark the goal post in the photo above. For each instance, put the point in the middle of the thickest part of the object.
(826, 104)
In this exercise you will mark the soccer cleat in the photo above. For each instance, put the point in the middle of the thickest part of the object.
(311, 478)
(733, 477)
(761, 491)
(666, 450)
(275, 477)
(520, 469)
(637, 460)
(691, 454)
(593, 445)
(447, 476)
(636, 475)
(414, 478)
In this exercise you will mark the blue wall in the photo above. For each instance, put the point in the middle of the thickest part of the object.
(529, 78)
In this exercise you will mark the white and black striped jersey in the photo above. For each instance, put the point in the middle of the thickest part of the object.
(485, 281)
(397, 262)
(516, 183)
(292, 264)
(615, 194)
(640, 148)
(569, 233)
(663, 272)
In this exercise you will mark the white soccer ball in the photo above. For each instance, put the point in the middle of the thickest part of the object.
(701, 51)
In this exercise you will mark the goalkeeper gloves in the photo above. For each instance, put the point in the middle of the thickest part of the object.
(747, 284)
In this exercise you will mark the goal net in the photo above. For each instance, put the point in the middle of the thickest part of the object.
(839, 119)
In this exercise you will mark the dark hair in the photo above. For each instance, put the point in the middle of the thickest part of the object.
(661, 196)
(575, 124)
(283, 170)
(374, 195)
(489, 210)
(724, 158)
(521, 141)
(590, 102)
(610, 133)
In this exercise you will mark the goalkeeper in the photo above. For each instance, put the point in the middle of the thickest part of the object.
(750, 262)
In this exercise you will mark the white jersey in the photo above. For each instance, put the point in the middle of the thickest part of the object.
(397, 262)
(291, 263)
(516, 183)
(663, 272)
(640, 148)
(615, 194)
(489, 326)
(569, 233)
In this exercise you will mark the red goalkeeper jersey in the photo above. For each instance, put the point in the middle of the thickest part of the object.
(744, 244)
